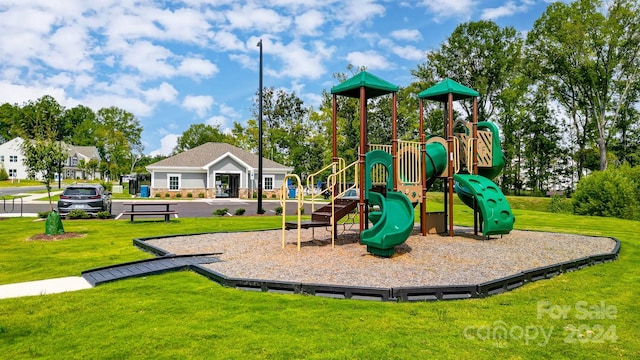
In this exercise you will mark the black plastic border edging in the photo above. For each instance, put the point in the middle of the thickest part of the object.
(406, 294)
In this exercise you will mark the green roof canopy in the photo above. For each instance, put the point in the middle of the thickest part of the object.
(374, 86)
(441, 90)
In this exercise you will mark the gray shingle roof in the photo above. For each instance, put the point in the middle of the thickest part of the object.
(206, 153)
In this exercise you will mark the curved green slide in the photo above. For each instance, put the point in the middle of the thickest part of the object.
(394, 223)
(494, 207)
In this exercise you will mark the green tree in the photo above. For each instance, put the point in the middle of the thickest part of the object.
(43, 156)
(84, 126)
(118, 140)
(198, 134)
(480, 55)
(588, 54)
(9, 115)
(40, 119)
(3, 173)
(285, 126)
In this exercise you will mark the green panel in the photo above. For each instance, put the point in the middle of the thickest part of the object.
(394, 225)
(436, 159)
(374, 86)
(441, 91)
(494, 207)
(373, 158)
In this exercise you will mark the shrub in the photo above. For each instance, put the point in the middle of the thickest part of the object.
(157, 194)
(77, 214)
(273, 196)
(261, 211)
(178, 195)
(167, 195)
(264, 196)
(43, 214)
(240, 211)
(201, 195)
(107, 185)
(560, 204)
(189, 195)
(103, 215)
(611, 192)
(3, 173)
(221, 212)
(302, 210)
(279, 210)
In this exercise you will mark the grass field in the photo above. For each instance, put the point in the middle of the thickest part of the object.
(587, 314)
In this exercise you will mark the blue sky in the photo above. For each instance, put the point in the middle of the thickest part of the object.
(177, 63)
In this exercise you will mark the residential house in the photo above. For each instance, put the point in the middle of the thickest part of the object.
(216, 170)
(12, 159)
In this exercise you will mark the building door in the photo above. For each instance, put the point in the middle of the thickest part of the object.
(227, 185)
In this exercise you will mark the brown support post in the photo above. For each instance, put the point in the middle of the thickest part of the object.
(450, 155)
(362, 154)
(394, 144)
(423, 159)
(474, 160)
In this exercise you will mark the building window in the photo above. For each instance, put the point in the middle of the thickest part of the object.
(74, 161)
(174, 182)
(13, 173)
(268, 182)
(1, 158)
(13, 158)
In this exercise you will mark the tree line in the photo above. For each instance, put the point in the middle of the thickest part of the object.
(115, 133)
(565, 96)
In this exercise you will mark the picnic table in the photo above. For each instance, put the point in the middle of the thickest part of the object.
(151, 208)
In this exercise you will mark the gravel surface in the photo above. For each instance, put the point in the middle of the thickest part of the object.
(420, 261)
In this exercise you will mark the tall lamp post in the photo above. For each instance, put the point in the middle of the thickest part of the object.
(260, 136)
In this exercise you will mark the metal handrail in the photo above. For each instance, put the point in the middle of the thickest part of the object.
(335, 166)
(338, 184)
(283, 203)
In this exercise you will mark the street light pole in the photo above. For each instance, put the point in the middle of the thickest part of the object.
(260, 211)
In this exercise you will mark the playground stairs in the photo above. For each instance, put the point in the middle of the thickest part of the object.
(322, 216)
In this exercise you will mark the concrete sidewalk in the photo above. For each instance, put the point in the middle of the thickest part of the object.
(43, 287)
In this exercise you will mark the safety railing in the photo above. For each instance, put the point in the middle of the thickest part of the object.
(335, 166)
(299, 202)
(339, 184)
(409, 163)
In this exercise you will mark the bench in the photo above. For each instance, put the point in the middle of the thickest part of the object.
(166, 212)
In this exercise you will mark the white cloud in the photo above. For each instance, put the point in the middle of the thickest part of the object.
(165, 92)
(148, 59)
(200, 104)
(450, 8)
(19, 94)
(406, 34)
(298, 62)
(216, 121)
(309, 22)
(256, 18)
(167, 144)
(508, 9)
(196, 68)
(227, 41)
(409, 52)
(245, 61)
(371, 59)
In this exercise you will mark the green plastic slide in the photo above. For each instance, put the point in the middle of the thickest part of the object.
(394, 223)
(494, 207)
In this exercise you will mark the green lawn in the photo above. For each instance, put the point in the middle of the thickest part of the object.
(183, 315)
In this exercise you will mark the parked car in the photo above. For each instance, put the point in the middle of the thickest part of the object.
(91, 198)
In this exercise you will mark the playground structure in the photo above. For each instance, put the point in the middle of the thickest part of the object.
(394, 178)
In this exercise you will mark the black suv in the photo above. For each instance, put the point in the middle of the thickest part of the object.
(91, 198)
